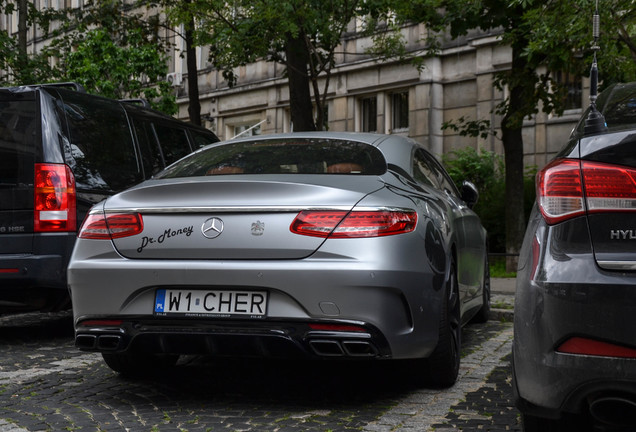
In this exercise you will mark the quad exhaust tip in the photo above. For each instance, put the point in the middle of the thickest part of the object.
(103, 342)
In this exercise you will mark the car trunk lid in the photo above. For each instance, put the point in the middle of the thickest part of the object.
(609, 176)
(242, 218)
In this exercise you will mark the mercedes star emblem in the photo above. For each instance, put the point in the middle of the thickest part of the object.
(212, 228)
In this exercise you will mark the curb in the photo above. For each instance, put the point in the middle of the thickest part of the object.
(505, 315)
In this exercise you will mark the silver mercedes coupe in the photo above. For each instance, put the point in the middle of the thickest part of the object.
(317, 245)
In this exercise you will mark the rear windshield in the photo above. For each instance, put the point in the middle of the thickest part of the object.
(282, 156)
(618, 104)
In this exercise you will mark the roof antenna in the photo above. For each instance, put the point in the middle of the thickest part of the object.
(595, 122)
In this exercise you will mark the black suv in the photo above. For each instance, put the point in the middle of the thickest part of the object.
(574, 353)
(61, 151)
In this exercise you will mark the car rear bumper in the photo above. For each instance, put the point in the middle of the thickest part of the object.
(570, 296)
(400, 304)
(36, 280)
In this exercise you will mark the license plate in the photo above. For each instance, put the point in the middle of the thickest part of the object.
(217, 303)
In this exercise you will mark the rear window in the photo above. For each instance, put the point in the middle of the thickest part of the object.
(102, 153)
(282, 156)
(19, 127)
(618, 105)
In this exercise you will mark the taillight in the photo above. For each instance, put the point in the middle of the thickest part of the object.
(560, 191)
(566, 188)
(98, 226)
(337, 327)
(585, 346)
(54, 206)
(354, 224)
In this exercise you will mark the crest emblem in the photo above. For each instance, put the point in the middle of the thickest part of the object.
(258, 228)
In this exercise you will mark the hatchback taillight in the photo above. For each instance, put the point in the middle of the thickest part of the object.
(567, 188)
(54, 194)
(354, 224)
(98, 226)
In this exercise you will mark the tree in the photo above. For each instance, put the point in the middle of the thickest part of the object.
(20, 66)
(115, 52)
(300, 34)
(545, 37)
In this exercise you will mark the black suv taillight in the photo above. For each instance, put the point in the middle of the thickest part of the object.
(54, 204)
(567, 188)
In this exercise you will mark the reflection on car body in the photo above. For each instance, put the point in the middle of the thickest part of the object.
(324, 245)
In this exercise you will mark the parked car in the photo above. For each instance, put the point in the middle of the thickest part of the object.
(574, 349)
(323, 245)
(61, 151)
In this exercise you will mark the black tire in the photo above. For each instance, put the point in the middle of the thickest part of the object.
(484, 312)
(443, 364)
(133, 365)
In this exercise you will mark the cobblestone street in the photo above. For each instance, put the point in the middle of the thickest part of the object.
(46, 384)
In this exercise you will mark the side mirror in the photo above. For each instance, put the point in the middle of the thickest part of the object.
(469, 193)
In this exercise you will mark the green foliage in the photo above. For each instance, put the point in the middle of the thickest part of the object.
(104, 46)
(472, 128)
(486, 171)
(120, 69)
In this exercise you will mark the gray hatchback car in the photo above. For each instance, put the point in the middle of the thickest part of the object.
(575, 339)
(320, 245)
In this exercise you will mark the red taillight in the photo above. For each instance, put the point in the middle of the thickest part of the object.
(609, 187)
(101, 323)
(343, 224)
(9, 270)
(566, 187)
(585, 346)
(96, 226)
(54, 206)
(536, 251)
(337, 327)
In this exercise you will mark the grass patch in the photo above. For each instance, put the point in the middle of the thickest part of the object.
(498, 268)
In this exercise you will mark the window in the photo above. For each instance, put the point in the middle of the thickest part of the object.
(247, 130)
(573, 85)
(369, 107)
(400, 110)
(282, 156)
(428, 171)
(174, 142)
(101, 151)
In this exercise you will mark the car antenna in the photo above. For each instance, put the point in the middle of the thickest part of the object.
(595, 122)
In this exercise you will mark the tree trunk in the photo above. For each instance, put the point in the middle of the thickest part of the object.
(511, 128)
(514, 215)
(194, 106)
(22, 38)
(297, 58)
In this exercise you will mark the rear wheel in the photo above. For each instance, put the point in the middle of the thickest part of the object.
(133, 365)
(443, 364)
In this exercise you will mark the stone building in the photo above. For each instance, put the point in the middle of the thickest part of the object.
(386, 97)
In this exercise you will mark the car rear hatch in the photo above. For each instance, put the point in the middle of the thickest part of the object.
(609, 177)
(19, 125)
(242, 218)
